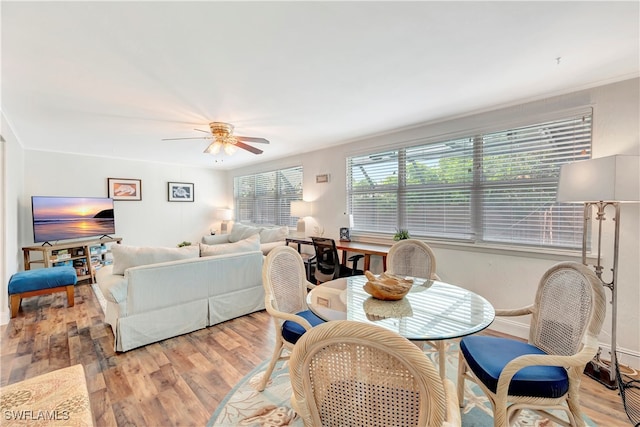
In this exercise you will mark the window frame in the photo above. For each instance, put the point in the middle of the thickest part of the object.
(277, 200)
(478, 186)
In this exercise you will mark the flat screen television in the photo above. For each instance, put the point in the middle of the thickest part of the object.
(62, 218)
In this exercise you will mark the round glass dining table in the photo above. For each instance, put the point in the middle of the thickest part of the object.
(431, 311)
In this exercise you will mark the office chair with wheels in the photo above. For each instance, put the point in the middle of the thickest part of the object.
(328, 266)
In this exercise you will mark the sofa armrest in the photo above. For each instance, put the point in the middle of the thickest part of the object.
(267, 247)
(112, 286)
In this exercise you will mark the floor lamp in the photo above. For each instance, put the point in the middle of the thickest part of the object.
(602, 183)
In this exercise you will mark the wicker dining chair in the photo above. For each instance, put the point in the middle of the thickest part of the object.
(411, 257)
(544, 373)
(347, 373)
(285, 284)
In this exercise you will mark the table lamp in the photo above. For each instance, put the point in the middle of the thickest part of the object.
(225, 215)
(301, 209)
(601, 183)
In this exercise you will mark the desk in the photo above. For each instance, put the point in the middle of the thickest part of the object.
(431, 311)
(367, 249)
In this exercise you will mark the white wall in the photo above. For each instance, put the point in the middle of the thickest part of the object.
(152, 221)
(506, 277)
(12, 189)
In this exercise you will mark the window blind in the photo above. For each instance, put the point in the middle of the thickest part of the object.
(487, 187)
(265, 198)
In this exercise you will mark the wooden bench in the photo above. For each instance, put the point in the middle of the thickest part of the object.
(41, 281)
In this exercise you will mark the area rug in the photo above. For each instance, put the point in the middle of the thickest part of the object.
(245, 406)
(57, 398)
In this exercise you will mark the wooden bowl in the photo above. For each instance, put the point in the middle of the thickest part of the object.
(387, 287)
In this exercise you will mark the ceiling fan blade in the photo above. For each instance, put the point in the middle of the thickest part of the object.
(251, 139)
(195, 137)
(244, 146)
(205, 131)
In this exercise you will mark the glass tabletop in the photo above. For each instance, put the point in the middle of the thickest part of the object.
(432, 310)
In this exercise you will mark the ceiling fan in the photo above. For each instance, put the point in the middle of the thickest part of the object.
(224, 139)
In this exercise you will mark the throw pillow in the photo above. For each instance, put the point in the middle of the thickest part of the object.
(215, 239)
(247, 245)
(268, 235)
(130, 256)
(241, 232)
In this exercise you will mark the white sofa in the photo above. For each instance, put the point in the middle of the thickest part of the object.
(157, 293)
(270, 236)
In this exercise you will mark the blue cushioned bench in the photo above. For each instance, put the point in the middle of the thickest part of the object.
(40, 282)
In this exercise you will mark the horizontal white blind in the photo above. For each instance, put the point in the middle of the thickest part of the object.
(494, 187)
(265, 198)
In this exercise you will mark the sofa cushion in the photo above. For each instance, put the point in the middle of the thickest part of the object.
(131, 256)
(249, 244)
(241, 232)
(274, 234)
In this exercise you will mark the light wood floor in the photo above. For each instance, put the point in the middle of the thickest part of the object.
(179, 381)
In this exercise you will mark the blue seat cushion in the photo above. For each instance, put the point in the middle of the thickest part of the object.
(292, 331)
(41, 278)
(487, 357)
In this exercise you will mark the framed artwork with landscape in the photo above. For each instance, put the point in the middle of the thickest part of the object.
(181, 192)
(124, 188)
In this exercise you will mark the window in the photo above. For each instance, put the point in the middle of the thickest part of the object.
(265, 198)
(495, 187)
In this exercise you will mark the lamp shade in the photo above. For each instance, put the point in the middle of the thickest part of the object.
(347, 220)
(224, 214)
(611, 179)
(300, 208)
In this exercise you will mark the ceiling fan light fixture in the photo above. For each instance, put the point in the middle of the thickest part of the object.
(213, 148)
(224, 140)
(229, 148)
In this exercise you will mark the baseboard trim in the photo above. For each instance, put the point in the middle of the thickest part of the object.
(5, 316)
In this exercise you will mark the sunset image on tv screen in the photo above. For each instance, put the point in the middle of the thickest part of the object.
(58, 218)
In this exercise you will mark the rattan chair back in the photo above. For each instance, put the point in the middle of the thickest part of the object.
(284, 281)
(566, 309)
(347, 373)
(411, 257)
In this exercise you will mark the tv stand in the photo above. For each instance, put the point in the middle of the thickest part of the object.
(86, 256)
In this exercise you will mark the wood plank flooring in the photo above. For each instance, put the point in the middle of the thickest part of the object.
(176, 382)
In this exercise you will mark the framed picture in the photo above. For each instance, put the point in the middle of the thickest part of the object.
(124, 189)
(180, 192)
(322, 179)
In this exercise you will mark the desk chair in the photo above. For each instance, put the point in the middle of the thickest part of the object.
(348, 373)
(544, 373)
(328, 266)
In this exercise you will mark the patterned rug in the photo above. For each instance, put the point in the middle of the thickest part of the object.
(57, 398)
(245, 406)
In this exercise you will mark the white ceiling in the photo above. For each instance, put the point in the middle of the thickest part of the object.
(114, 78)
